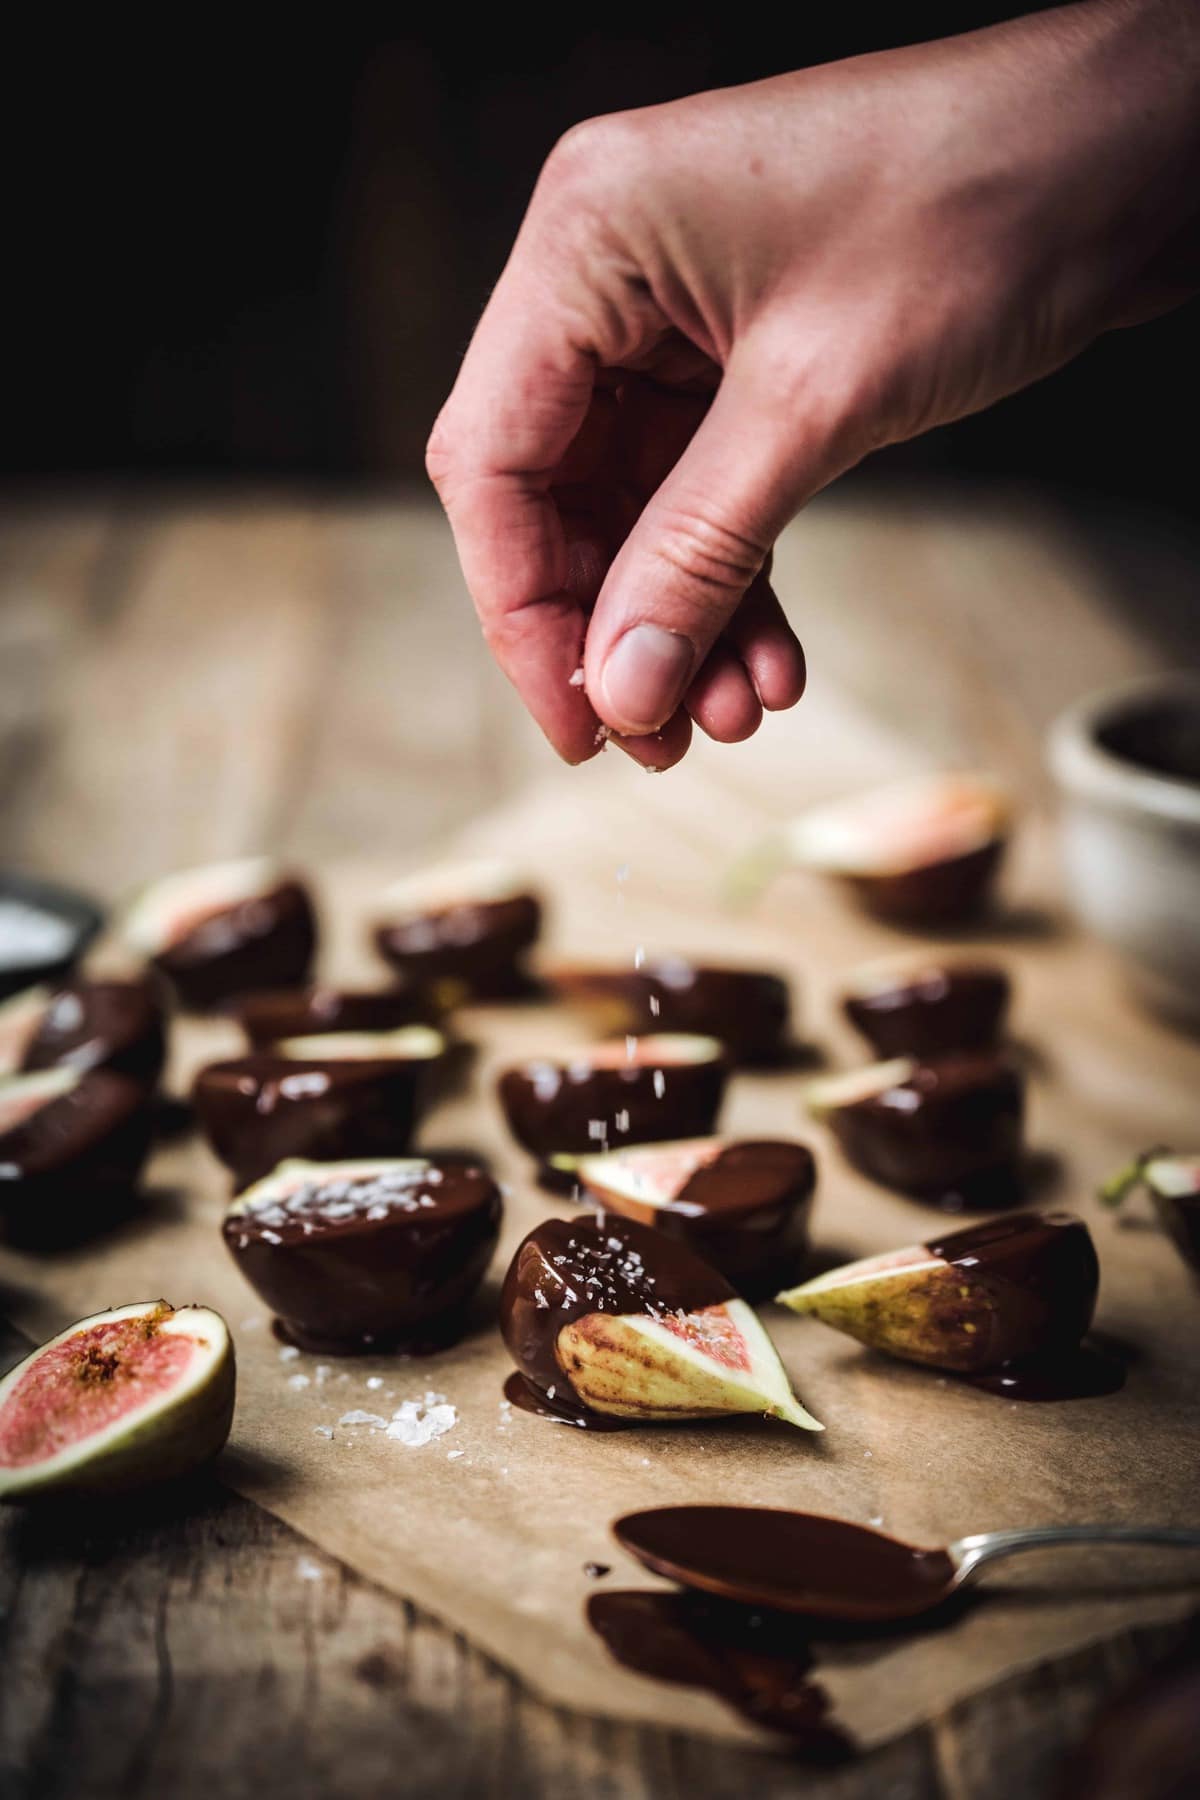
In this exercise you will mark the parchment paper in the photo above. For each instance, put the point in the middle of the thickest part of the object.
(494, 1540)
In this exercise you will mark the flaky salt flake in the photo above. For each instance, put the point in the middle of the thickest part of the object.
(639, 956)
(453, 1455)
(325, 1431)
(622, 1119)
(289, 1353)
(576, 680)
(298, 1381)
(413, 1424)
(655, 1006)
(356, 1416)
(660, 1084)
(878, 1521)
(308, 1570)
(323, 1372)
(374, 1381)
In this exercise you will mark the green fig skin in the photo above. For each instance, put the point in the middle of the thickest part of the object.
(969, 1319)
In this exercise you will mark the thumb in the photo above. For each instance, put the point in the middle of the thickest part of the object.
(700, 542)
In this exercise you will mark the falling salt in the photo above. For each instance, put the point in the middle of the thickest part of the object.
(622, 1119)
(630, 1046)
(655, 1006)
(660, 1084)
(308, 1570)
(639, 956)
(623, 872)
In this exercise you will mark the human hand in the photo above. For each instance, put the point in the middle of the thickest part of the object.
(715, 307)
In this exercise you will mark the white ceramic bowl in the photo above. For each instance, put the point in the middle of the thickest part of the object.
(1131, 832)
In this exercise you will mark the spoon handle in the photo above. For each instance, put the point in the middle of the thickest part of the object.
(969, 1554)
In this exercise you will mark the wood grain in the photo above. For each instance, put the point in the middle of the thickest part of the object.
(196, 677)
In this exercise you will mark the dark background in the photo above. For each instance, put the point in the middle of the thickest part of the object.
(256, 251)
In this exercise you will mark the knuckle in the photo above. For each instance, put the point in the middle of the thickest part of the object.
(717, 557)
(440, 456)
(589, 158)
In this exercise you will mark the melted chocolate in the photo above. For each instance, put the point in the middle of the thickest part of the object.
(961, 1007)
(552, 1106)
(268, 1018)
(789, 1561)
(1046, 1259)
(256, 1110)
(70, 1167)
(567, 1269)
(949, 892)
(1180, 1217)
(757, 1663)
(561, 1410)
(101, 1024)
(951, 1132)
(1075, 1373)
(746, 1008)
(265, 941)
(745, 1210)
(352, 1263)
(479, 943)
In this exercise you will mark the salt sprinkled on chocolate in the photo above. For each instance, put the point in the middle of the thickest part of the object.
(344, 1197)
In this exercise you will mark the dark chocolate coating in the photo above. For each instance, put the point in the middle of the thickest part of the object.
(101, 1024)
(546, 1286)
(309, 1012)
(356, 1283)
(746, 1008)
(746, 1212)
(789, 1561)
(258, 1109)
(72, 1165)
(266, 941)
(961, 1007)
(83, 918)
(1180, 1218)
(550, 1105)
(478, 944)
(963, 1121)
(1028, 1282)
(941, 893)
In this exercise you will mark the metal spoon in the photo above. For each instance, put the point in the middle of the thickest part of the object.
(830, 1568)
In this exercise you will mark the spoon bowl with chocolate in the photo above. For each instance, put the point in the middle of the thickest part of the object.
(746, 1008)
(608, 1321)
(832, 1569)
(221, 931)
(742, 1204)
(461, 930)
(642, 1089)
(947, 1129)
(324, 1097)
(375, 1254)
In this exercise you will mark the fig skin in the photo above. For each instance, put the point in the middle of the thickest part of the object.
(747, 1009)
(549, 1121)
(114, 1025)
(933, 1011)
(266, 941)
(952, 891)
(477, 945)
(148, 1452)
(966, 1125)
(258, 1110)
(971, 1319)
(75, 1162)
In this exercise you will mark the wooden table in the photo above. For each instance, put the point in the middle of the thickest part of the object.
(199, 676)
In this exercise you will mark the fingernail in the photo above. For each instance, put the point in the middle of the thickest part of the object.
(645, 675)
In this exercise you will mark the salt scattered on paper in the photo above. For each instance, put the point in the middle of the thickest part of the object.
(356, 1416)
(325, 1431)
(418, 1422)
(374, 1381)
(298, 1381)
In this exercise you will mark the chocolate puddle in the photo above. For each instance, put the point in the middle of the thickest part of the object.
(559, 1410)
(1080, 1373)
(758, 1663)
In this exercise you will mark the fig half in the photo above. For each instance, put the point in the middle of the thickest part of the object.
(1019, 1286)
(84, 1025)
(746, 1008)
(461, 930)
(118, 1401)
(928, 1008)
(225, 930)
(72, 1146)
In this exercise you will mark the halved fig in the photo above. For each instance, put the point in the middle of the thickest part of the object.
(608, 1317)
(1015, 1287)
(1173, 1184)
(120, 1401)
(225, 930)
(72, 1144)
(746, 1008)
(269, 1017)
(919, 852)
(667, 1085)
(368, 1254)
(742, 1204)
(84, 1025)
(947, 1129)
(358, 1098)
(927, 1008)
(462, 930)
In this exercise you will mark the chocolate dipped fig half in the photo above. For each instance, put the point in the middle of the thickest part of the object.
(605, 1316)
(225, 930)
(367, 1254)
(84, 1025)
(1173, 1183)
(742, 1204)
(1020, 1286)
(72, 1144)
(461, 930)
(747, 1009)
(928, 1008)
(948, 1129)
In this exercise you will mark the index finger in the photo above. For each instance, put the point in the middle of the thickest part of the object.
(521, 396)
